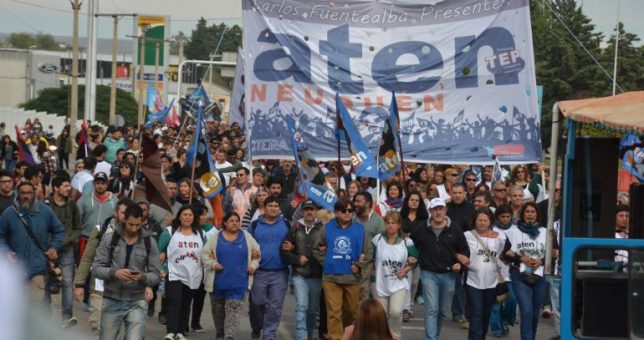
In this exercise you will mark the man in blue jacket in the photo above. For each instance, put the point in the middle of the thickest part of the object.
(16, 241)
(271, 278)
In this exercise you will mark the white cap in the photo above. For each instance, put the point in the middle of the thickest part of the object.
(436, 202)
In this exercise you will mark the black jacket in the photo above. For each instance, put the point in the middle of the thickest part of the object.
(437, 254)
(461, 214)
(304, 246)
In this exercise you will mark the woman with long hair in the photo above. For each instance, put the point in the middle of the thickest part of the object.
(64, 143)
(180, 168)
(122, 185)
(352, 189)
(229, 266)
(414, 215)
(9, 153)
(371, 323)
(528, 239)
(180, 246)
(393, 199)
(256, 208)
(483, 270)
(395, 256)
(520, 176)
(438, 185)
(183, 197)
(46, 161)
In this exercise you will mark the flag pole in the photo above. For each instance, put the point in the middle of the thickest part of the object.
(138, 157)
(194, 163)
(402, 161)
(337, 170)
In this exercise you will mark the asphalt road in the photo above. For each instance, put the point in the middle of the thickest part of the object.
(412, 330)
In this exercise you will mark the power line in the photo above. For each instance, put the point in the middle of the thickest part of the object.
(20, 19)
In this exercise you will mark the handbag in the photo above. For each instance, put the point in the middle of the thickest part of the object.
(501, 286)
(53, 269)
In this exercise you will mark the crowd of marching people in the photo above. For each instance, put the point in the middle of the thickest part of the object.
(465, 242)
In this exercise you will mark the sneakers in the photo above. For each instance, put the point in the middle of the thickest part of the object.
(179, 336)
(406, 316)
(420, 300)
(198, 329)
(463, 322)
(69, 322)
(546, 311)
(169, 336)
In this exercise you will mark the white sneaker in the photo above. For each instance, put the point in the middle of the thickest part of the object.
(169, 336)
(180, 336)
(69, 323)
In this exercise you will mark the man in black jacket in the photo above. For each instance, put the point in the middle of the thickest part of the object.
(442, 249)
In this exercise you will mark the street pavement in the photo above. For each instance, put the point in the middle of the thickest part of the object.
(411, 330)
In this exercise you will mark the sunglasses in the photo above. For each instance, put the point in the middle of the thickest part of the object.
(346, 211)
(499, 190)
(241, 174)
(453, 175)
(470, 179)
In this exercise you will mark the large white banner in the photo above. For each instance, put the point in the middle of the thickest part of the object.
(463, 73)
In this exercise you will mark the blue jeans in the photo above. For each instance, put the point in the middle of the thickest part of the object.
(480, 303)
(307, 303)
(115, 312)
(67, 265)
(438, 289)
(504, 314)
(459, 301)
(10, 164)
(268, 292)
(530, 298)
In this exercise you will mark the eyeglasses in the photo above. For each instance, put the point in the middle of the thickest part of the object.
(346, 211)
(241, 174)
(470, 179)
(453, 175)
(499, 190)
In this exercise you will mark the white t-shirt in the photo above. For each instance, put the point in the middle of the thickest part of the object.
(482, 272)
(184, 258)
(522, 244)
(505, 269)
(80, 178)
(389, 260)
(103, 167)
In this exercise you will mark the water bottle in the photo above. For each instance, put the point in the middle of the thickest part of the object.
(161, 287)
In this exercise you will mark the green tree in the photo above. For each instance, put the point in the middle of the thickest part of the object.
(39, 41)
(630, 65)
(56, 100)
(174, 44)
(204, 40)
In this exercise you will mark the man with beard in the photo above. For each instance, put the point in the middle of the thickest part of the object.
(68, 213)
(373, 225)
(275, 186)
(17, 225)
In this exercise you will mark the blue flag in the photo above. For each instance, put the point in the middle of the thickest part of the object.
(209, 179)
(308, 168)
(151, 96)
(361, 158)
(158, 116)
(389, 153)
(197, 100)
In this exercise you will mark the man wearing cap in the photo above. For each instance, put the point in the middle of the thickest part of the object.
(441, 246)
(96, 206)
(307, 271)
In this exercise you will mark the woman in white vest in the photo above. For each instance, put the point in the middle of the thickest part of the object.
(181, 245)
(395, 256)
(228, 278)
(484, 269)
(528, 239)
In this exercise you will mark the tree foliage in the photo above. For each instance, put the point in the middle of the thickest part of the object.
(56, 100)
(40, 41)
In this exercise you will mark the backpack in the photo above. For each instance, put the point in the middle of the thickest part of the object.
(115, 240)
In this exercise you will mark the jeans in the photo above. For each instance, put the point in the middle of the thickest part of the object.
(116, 312)
(555, 290)
(438, 289)
(480, 303)
(459, 301)
(504, 314)
(10, 165)
(307, 304)
(68, 267)
(268, 292)
(530, 298)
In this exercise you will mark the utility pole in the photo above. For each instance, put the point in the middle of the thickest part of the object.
(90, 72)
(73, 102)
(114, 61)
(619, 2)
(157, 46)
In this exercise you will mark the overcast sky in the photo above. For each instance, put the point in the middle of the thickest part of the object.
(54, 16)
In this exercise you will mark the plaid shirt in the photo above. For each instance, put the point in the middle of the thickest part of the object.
(48, 163)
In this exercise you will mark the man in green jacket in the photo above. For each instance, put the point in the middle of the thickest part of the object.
(69, 215)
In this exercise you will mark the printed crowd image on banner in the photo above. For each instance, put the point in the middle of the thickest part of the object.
(463, 74)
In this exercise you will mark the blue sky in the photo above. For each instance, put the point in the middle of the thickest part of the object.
(54, 16)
